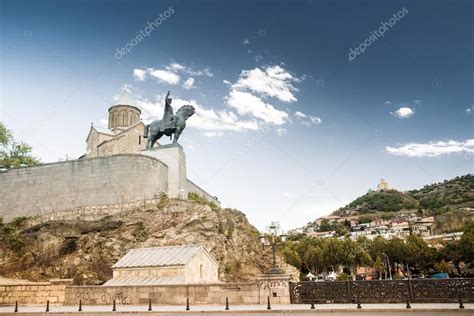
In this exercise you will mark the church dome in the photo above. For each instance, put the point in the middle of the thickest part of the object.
(124, 113)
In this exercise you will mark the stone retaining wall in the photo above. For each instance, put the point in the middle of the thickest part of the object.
(238, 293)
(66, 185)
(62, 292)
(33, 293)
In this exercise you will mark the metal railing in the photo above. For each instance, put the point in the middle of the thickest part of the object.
(383, 291)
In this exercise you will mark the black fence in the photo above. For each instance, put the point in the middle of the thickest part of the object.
(383, 291)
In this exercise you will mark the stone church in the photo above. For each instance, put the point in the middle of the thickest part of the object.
(124, 134)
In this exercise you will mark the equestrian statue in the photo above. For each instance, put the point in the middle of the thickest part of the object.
(171, 124)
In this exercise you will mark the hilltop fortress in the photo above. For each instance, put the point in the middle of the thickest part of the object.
(116, 169)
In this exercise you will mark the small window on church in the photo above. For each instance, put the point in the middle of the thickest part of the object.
(200, 271)
(139, 140)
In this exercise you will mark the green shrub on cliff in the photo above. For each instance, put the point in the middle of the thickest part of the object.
(199, 199)
(10, 235)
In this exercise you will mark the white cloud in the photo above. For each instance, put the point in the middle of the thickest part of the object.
(403, 112)
(187, 70)
(281, 131)
(176, 66)
(213, 134)
(432, 149)
(171, 73)
(126, 87)
(388, 102)
(139, 74)
(249, 93)
(166, 76)
(315, 120)
(188, 84)
(306, 120)
(227, 82)
(248, 104)
(468, 110)
(300, 114)
(272, 81)
(104, 122)
(246, 42)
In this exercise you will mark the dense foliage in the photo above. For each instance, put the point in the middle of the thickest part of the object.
(12, 152)
(318, 256)
(456, 191)
(383, 201)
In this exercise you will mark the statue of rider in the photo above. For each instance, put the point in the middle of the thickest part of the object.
(169, 119)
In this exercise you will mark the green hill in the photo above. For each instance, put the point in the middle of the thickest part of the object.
(436, 199)
(452, 194)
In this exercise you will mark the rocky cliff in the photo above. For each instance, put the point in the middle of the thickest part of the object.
(84, 250)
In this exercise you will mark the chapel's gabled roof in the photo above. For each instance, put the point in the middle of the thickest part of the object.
(103, 130)
(159, 256)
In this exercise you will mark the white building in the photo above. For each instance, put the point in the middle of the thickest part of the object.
(191, 264)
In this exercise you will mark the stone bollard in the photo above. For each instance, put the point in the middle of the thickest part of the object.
(408, 302)
(312, 305)
(268, 303)
(80, 306)
(187, 304)
(16, 307)
(47, 306)
(149, 305)
(226, 303)
(358, 303)
(461, 304)
(114, 307)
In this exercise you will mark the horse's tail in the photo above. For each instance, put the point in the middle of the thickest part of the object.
(145, 131)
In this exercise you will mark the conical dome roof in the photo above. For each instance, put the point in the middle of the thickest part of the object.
(126, 99)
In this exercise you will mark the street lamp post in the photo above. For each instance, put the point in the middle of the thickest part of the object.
(273, 238)
(388, 263)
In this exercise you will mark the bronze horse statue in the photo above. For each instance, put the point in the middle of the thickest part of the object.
(170, 125)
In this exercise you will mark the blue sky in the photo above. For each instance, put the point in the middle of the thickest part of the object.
(287, 128)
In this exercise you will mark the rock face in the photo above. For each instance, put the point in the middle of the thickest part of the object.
(86, 250)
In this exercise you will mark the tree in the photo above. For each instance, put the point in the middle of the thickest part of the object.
(443, 266)
(419, 254)
(331, 254)
(377, 247)
(354, 255)
(14, 154)
(312, 259)
(292, 256)
(466, 243)
(379, 266)
(396, 250)
(325, 226)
